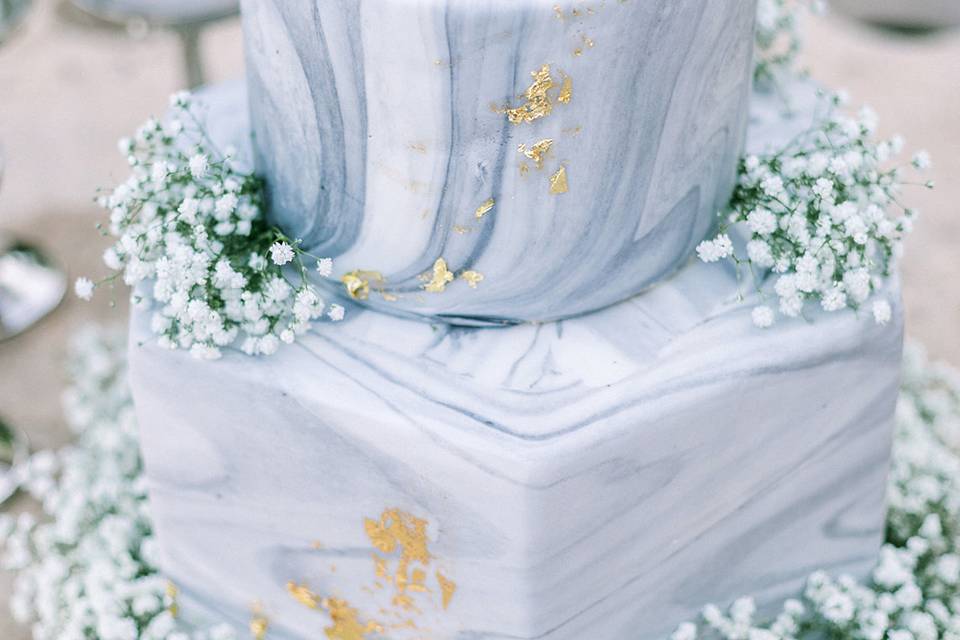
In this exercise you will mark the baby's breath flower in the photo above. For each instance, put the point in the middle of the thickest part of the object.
(762, 316)
(325, 267)
(881, 312)
(281, 253)
(717, 249)
(83, 287)
(814, 214)
(192, 225)
(199, 165)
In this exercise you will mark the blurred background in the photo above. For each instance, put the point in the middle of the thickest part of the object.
(76, 75)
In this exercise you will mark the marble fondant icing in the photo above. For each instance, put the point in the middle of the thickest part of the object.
(385, 133)
(602, 477)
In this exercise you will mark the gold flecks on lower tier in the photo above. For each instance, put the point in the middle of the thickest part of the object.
(437, 281)
(346, 621)
(484, 208)
(259, 626)
(472, 278)
(357, 283)
(537, 151)
(558, 182)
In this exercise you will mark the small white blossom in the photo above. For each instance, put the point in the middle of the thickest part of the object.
(83, 288)
(325, 267)
(336, 312)
(199, 165)
(717, 249)
(281, 253)
(762, 316)
(882, 312)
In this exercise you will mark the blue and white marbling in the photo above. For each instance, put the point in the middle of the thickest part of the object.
(601, 477)
(375, 132)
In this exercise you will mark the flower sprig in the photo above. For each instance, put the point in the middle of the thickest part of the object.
(191, 235)
(816, 213)
(778, 41)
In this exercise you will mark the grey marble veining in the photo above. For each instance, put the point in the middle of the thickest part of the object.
(601, 477)
(380, 131)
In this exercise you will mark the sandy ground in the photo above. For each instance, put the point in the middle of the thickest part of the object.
(68, 92)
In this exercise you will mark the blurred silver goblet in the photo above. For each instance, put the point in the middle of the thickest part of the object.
(906, 15)
(187, 18)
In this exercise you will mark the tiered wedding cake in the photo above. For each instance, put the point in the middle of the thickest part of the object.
(407, 474)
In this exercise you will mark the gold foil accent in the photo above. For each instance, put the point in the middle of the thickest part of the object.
(417, 578)
(484, 208)
(473, 278)
(461, 229)
(537, 152)
(419, 147)
(316, 544)
(303, 595)
(346, 622)
(259, 626)
(578, 52)
(524, 169)
(566, 90)
(558, 182)
(389, 297)
(447, 589)
(172, 593)
(588, 41)
(538, 104)
(357, 283)
(438, 282)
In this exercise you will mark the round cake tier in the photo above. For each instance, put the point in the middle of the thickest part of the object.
(492, 161)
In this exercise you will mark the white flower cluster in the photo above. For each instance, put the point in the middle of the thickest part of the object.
(193, 240)
(914, 591)
(778, 37)
(816, 213)
(89, 569)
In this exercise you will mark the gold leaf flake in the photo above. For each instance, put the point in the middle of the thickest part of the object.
(459, 228)
(441, 277)
(388, 297)
(524, 169)
(484, 208)
(419, 147)
(258, 627)
(558, 12)
(473, 278)
(588, 41)
(538, 151)
(558, 182)
(316, 544)
(417, 578)
(357, 283)
(447, 588)
(172, 593)
(302, 594)
(538, 104)
(346, 622)
(566, 90)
